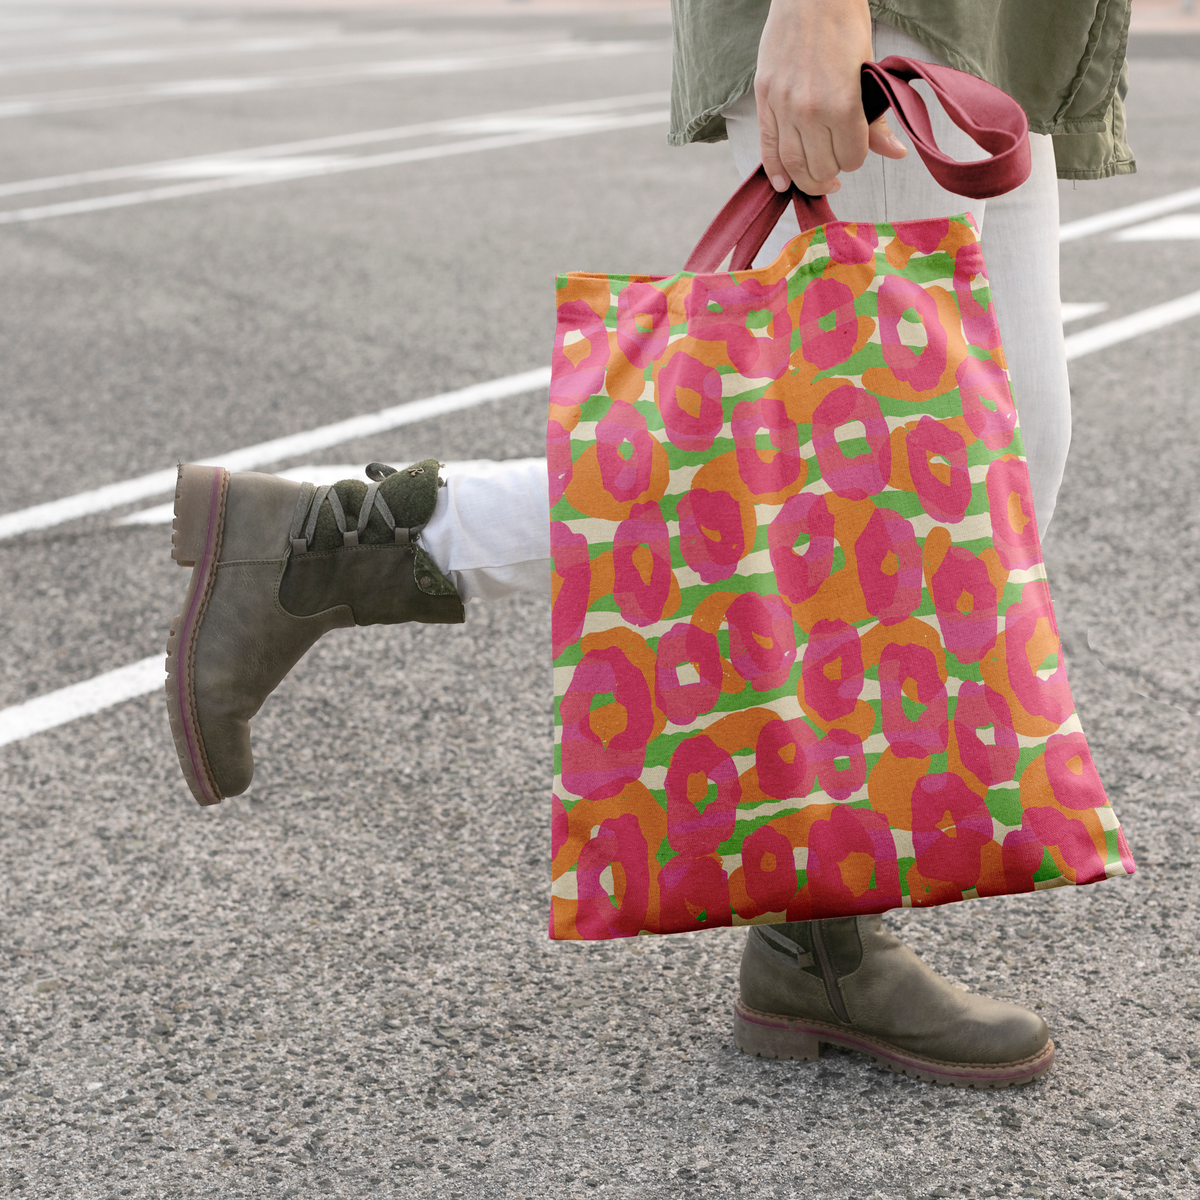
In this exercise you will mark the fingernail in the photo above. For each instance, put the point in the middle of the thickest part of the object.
(780, 183)
(837, 187)
(897, 144)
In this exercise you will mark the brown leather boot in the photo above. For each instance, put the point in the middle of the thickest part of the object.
(848, 982)
(274, 566)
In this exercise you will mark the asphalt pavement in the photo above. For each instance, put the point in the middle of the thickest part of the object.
(296, 993)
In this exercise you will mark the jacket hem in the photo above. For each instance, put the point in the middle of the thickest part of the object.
(1125, 167)
(695, 129)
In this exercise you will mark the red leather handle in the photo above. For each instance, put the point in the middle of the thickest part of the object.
(990, 117)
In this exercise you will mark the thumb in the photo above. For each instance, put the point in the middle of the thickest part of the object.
(883, 141)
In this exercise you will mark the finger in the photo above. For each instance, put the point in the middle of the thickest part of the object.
(768, 138)
(848, 136)
(883, 141)
(798, 161)
(819, 158)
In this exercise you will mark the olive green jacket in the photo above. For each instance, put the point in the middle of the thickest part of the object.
(1062, 60)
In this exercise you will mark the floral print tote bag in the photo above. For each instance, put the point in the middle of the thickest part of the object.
(805, 659)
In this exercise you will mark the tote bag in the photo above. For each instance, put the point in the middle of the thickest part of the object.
(805, 659)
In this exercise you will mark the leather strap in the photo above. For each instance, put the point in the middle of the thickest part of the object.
(989, 116)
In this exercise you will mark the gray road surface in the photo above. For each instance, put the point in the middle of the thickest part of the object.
(288, 996)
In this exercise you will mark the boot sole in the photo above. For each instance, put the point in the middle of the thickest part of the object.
(200, 494)
(768, 1035)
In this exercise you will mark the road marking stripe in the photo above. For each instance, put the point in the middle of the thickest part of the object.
(131, 56)
(1131, 214)
(1171, 228)
(129, 491)
(313, 167)
(1077, 311)
(82, 699)
(1099, 337)
(400, 68)
(341, 141)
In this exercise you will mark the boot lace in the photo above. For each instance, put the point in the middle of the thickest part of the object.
(311, 498)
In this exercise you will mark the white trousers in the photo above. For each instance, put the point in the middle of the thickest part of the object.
(491, 531)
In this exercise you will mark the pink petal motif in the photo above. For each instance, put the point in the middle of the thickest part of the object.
(711, 538)
(1049, 698)
(624, 452)
(943, 501)
(966, 602)
(840, 783)
(920, 369)
(1010, 504)
(1071, 839)
(847, 834)
(642, 601)
(928, 733)
(799, 575)
(781, 757)
(572, 564)
(693, 829)
(1020, 857)
(979, 707)
(951, 825)
(718, 310)
(618, 842)
(643, 323)
(559, 826)
(925, 236)
(589, 766)
(979, 322)
(826, 348)
(844, 248)
(889, 540)
(558, 459)
(1073, 777)
(770, 869)
(762, 640)
(833, 669)
(694, 893)
(691, 431)
(866, 474)
(682, 703)
(987, 401)
(785, 464)
(573, 382)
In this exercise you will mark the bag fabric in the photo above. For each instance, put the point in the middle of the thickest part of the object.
(806, 663)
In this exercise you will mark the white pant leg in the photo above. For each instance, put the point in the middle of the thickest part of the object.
(490, 530)
(1020, 245)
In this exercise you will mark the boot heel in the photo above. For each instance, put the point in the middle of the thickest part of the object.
(199, 500)
(768, 1036)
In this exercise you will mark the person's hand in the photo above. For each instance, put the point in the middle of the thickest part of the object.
(809, 95)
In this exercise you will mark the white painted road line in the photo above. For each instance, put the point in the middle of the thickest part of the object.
(1131, 214)
(400, 68)
(157, 483)
(82, 699)
(1177, 227)
(132, 56)
(1099, 337)
(340, 141)
(309, 167)
(1078, 311)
